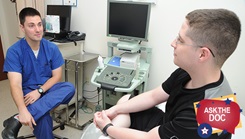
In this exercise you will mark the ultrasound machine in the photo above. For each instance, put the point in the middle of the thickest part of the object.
(128, 71)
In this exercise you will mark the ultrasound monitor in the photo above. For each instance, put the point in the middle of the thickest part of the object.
(64, 12)
(128, 20)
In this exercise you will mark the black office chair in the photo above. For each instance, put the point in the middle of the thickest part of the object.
(61, 126)
(57, 118)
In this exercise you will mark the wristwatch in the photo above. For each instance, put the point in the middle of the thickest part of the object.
(40, 90)
(105, 128)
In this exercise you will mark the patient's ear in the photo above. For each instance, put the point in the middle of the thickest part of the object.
(204, 53)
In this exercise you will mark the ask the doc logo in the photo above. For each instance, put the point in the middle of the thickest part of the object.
(217, 115)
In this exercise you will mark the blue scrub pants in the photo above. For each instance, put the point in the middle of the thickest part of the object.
(60, 93)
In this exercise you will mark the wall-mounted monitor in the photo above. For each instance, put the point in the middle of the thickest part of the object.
(128, 20)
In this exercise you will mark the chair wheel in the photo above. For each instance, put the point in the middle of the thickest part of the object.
(62, 127)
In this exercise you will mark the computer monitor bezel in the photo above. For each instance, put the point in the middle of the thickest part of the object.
(127, 37)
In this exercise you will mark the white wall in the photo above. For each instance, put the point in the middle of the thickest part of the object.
(166, 17)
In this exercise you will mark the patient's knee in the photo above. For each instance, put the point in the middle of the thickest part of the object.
(123, 98)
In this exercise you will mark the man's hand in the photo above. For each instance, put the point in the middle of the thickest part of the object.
(31, 97)
(101, 119)
(26, 119)
(111, 112)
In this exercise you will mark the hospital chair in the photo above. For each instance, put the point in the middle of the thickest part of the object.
(56, 115)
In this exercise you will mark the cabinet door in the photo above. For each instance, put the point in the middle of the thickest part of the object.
(3, 75)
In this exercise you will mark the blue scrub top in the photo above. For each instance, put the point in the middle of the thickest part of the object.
(35, 71)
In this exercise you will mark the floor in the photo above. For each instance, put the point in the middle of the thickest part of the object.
(8, 109)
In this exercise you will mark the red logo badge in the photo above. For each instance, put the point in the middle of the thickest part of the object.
(221, 113)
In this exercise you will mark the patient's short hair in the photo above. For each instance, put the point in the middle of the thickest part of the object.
(219, 29)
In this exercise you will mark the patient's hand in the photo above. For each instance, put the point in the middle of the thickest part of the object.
(112, 112)
(101, 119)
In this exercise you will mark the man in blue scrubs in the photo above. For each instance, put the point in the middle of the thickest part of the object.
(34, 67)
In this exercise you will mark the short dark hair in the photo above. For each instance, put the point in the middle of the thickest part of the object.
(220, 29)
(27, 11)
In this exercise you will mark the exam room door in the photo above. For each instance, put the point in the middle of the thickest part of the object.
(3, 75)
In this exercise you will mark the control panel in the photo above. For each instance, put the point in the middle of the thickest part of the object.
(115, 77)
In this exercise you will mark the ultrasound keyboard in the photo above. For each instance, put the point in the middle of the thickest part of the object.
(115, 77)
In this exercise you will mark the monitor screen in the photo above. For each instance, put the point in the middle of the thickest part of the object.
(128, 20)
(64, 12)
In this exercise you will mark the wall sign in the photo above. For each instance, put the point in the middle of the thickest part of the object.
(62, 2)
(70, 2)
